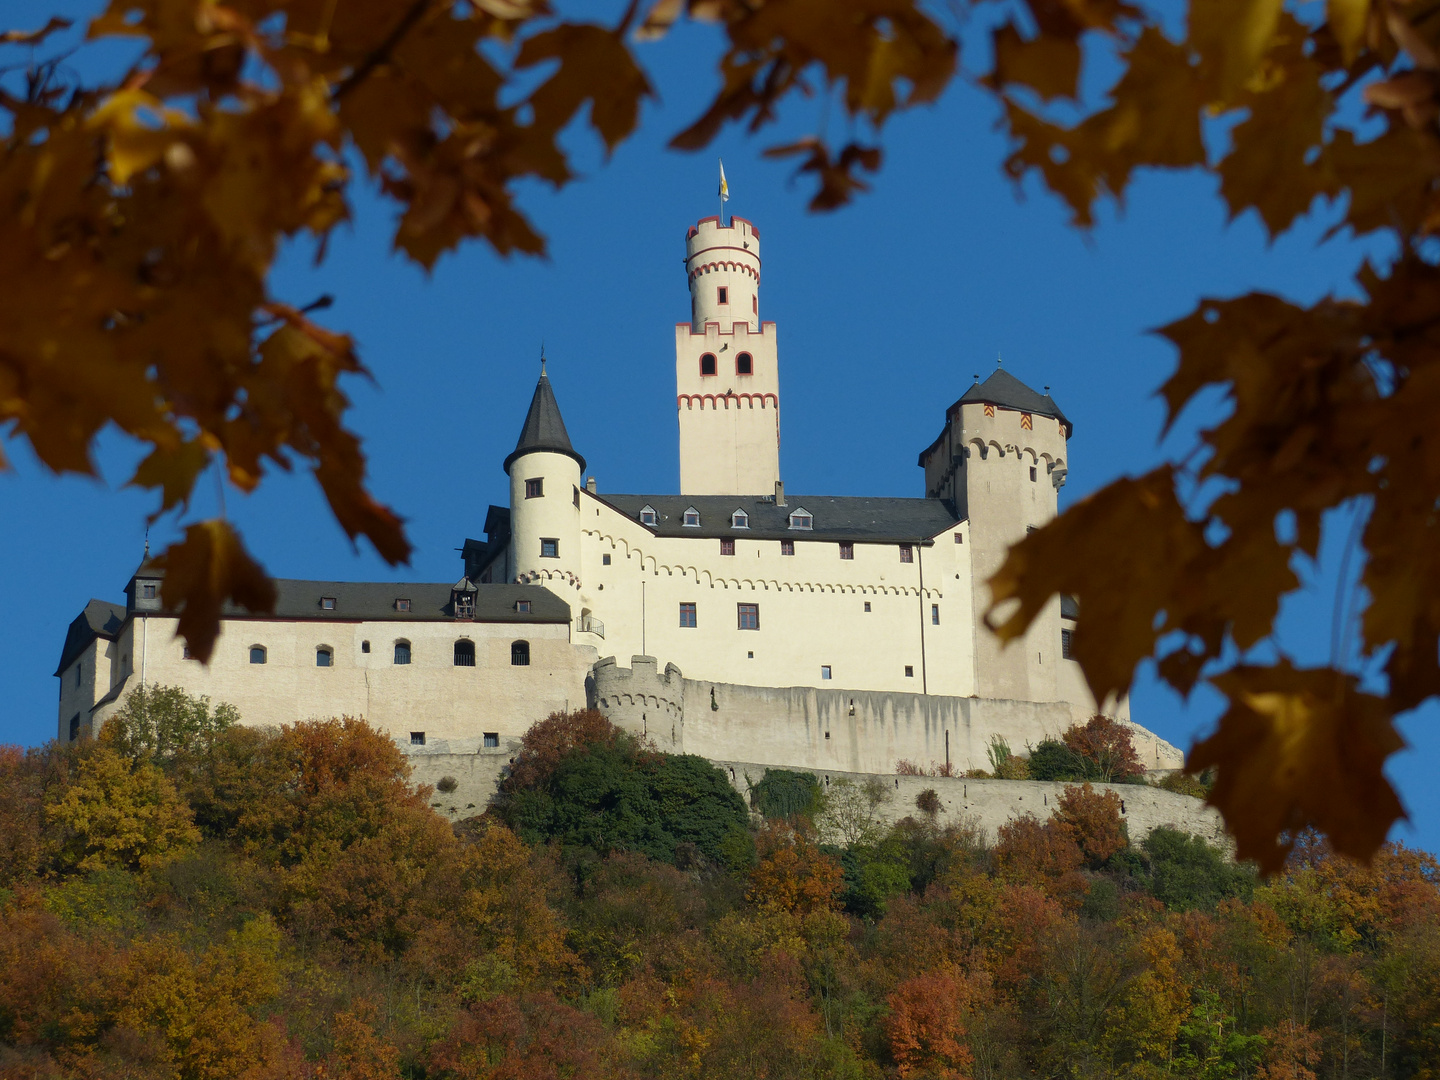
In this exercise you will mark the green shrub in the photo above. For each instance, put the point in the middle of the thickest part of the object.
(1053, 760)
(1187, 873)
(787, 794)
(1182, 783)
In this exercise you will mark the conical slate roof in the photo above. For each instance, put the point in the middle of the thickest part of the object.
(544, 429)
(1008, 392)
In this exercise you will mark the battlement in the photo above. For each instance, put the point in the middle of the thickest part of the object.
(641, 700)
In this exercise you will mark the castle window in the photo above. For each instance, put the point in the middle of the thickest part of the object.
(185, 653)
(825, 675)
(959, 538)
(257, 654)
(1066, 649)
(722, 295)
(755, 304)
(727, 546)
(327, 603)
(867, 606)
(520, 654)
(708, 364)
(464, 653)
(909, 672)
(787, 547)
(748, 616)
(1032, 473)
(402, 605)
(535, 489)
(801, 519)
(935, 614)
(75, 727)
(464, 605)
(549, 547)
(417, 738)
(649, 517)
(847, 551)
(522, 607)
(604, 560)
(687, 614)
(492, 739)
(739, 520)
(364, 646)
(147, 590)
(324, 657)
(577, 497)
(692, 518)
(402, 652)
(907, 553)
(744, 364)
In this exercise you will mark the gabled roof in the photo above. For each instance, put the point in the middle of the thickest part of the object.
(100, 619)
(1003, 389)
(544, 429)
(861, 519)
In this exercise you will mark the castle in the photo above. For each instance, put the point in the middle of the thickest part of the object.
(759, 625)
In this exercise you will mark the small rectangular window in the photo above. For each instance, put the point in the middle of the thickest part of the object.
(959, 538)
(847, 551)
(867, 605)
(549, 547)
(402, 605)
(722, 295)
(787, 547)
(604, 560)
(522, 607)
(907, 553)
(935, 614)
(825, 675)
(327, 603)
(148, 590)
(909, 672)
(687, 614)
(492, 739)
(727, 546)
(1032, 472)
(1065, 644)
(417, 738)
(755, 304)
(748, 616)
(535, 489)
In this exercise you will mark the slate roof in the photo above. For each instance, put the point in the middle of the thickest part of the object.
(1008, 392)
(544, 429)
(99, 619)
(856, 518)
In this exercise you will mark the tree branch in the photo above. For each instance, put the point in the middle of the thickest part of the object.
(382, 53)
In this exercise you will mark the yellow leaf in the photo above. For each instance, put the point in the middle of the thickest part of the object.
(206, 571)
(1300, 749)
(1231, 36)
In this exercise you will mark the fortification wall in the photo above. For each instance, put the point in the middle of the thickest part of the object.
(641, 700)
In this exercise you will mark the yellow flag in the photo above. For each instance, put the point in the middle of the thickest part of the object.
(724, 187)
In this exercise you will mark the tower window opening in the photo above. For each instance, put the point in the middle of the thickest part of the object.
(744, 364)
(909, 671)
(324, 656)
(755, 304)
(78, 669)
(907, 553)
(727, 546)
(1032, 473)
(520, 654)
(364, 646)
(604, 560)
(257, 654)
(549, 547)
(577, 494)
(1067, 645)
(687, 615)
(75, 727)
(748, 616)
(535, 489)
(847, 551)
(464, 653)
(708, 364)
(722, 295)
(402, 652)
(935, 614)
(867, 606)
(787, 547)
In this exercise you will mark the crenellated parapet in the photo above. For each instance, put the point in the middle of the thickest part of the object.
(641, 699)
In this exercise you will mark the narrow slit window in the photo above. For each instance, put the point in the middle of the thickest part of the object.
(935, 614)
(722, 295)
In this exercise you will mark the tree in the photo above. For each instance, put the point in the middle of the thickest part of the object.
(165, 722)
(1093, 820)
(787, 794)
(1106, 746)
(849, 813)
(793, 875)
(1188, 873)
(927, 1026)
(1045, 855)
(1053, 760)
(116, 812)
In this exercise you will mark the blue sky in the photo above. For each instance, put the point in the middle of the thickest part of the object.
(885, 310)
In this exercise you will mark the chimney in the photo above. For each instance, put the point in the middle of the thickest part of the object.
(590, 484)
(779, 493)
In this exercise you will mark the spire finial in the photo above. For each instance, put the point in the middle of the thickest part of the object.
(147, 542)
(542, 359)
(999, 360)
(977, 378)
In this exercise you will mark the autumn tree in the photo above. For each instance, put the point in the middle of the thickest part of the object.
(793, 874)
(1093, 821)
(927, 1025)
(1106, 747)
(1043, 854)
(166, 722)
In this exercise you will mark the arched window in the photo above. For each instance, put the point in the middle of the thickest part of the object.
(324, 656)
(744, 365)
(708, 364)
(464, 653)
(520, 653)
(402, 652)
(257, 654)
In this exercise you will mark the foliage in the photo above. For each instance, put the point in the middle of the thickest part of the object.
(928, 803)
(849, 812)
(1094, 823)
(999, 753)
(1053, 760)
(553, 739)
(1107, 749)
(330, 924)
(787, 795)
(164, 722)
(1184, 783)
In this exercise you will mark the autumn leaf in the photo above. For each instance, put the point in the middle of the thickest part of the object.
(203, 573)
(1297, 749)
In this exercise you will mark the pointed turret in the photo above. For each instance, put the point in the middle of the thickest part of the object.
(544, 428)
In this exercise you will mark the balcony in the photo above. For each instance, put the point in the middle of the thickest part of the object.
(588, 624)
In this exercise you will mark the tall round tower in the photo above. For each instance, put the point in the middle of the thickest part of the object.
(727, 377)
(545, 477)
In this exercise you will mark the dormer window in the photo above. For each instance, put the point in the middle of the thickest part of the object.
(649, 517)
(464, 605)
(147, 590)
(522, 607)
(800, 519)
(327, 603)
(739, 520)
(692, 518)
(402, 605)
